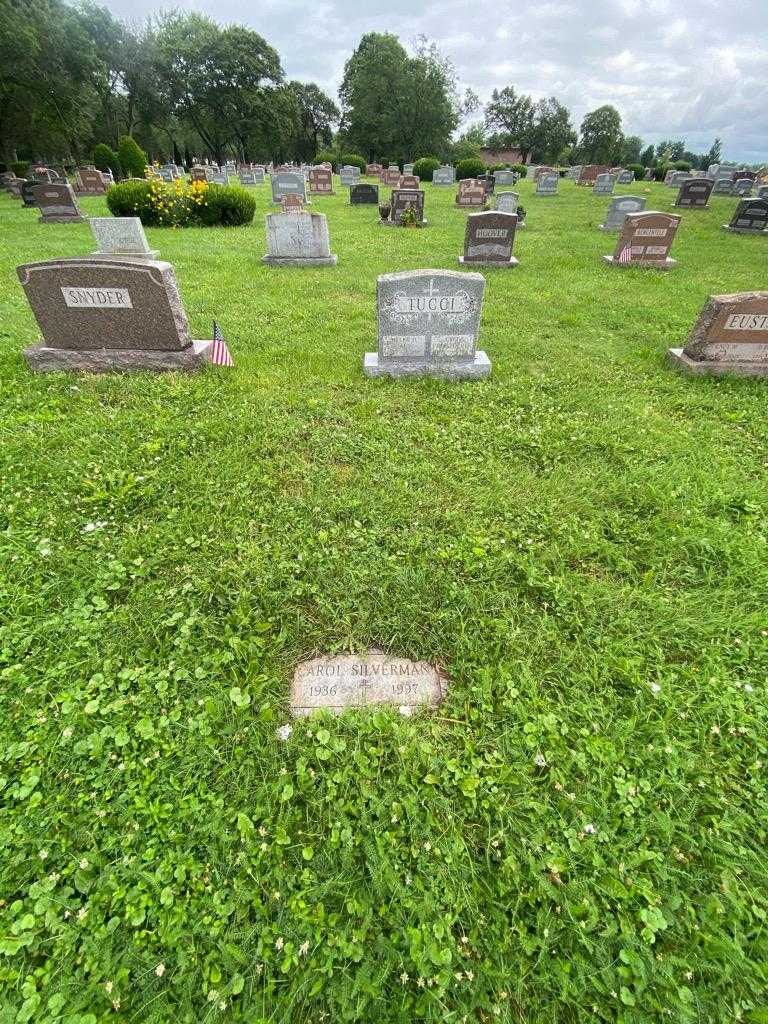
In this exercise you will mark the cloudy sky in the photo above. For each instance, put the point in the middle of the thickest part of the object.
(692, 71)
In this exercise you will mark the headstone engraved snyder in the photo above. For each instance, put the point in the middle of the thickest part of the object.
(57, 204)
(750, 217)
(489, 238)
(428, 324)
(648, 237)
(119, 238)
(730, 336)
(298, 239)
(618, 210)
(105, 315)
(355, 681)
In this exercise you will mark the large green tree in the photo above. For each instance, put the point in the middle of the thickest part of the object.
(317, 115)
(395, 105)
(552, 130)
(509, 120)
(601, 139)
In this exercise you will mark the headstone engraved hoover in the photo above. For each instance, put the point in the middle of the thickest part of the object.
(694, 194)
(730, 336)
(428, 323)
(645, 241)
(488, 239)
(57, 204)
(750, 217)
(105, 315)
(298, 239)
(119, 238)
(618, 210)
(347, 681)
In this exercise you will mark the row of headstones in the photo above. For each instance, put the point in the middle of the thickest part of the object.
(103, 314)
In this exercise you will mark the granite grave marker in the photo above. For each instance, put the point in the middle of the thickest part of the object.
(298, 239)
(489, 238)
(645, 241)
(730, 336)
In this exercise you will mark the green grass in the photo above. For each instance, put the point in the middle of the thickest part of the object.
(580, 540)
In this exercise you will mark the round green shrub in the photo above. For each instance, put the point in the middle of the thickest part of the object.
(353, 160)
(472, 167)
(325, 156)
(425, 167)
(681, 165)
(520, 169)
(226, 206)
(131, 199)
(106, 159)
(133, 159)
(20, 168)
(638, 169)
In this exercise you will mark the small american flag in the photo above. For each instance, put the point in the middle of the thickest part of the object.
(625, 256)
(219, 352)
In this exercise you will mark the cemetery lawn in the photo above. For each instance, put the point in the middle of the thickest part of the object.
(577, 834)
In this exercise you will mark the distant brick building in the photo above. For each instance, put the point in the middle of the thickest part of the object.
(502, 156)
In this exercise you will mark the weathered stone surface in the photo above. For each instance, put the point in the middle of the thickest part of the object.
(428, 323)
(506, 202)
(750, 217)
(320, 182)
(90, 182)
(471, 193)
(743, 187)
(604, 184)
(298, 239)
(618, 210)
(98, 314)
(647, 238)
(730, 336)
(347, 681)
(444, 176)
(57, 204)
(489, 238)
(505, 176)
(120, 237)
(723, 186)
(364, 195)
(288, 183)
(349, 175)
(694, 194)
(546, 184)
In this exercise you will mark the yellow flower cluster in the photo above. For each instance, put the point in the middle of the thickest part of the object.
(174, 201)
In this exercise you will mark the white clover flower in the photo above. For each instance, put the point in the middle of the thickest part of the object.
(590, 829)
(655, 688)
(284, 732)
(540, 761)
(279, 943)
(83, 865)
(160, 970)
(406, 710)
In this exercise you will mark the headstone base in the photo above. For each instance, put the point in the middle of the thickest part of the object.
(142, 257)
(472, 209)
(745, 231)
(304, 202)
(321, 194)
(479, 367)
(61, 219)
(295, 261)
(677, 358)
(394, 224)
(42, 359)
(666, 264)
(501, 264)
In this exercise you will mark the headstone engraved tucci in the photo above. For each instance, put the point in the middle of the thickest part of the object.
(619, 208)
(406, 199)
(90, 182)
(604, 184)
(364, 195)
(694, 194)
(723, 187)
(750, 217)
(645, 241)
(120, 238)
(428, 323)
(547, 184)
(298, 239)
(288, 183)
(471, 193)
(348, 681)
(488, 239)
(320, 182)
(57, 204)
(625, 177)
(730, 336)
(107, 315)
(444, 176)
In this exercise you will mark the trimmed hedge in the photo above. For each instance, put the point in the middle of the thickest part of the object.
(638, 169)
(106, 159)
(325, 156)
(520, 169)
(473, 167)
(20, 168)
(219, 205)
(133, 159)
(425, 167)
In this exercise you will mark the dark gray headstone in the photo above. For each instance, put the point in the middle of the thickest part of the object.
(405, 199)
(364, 195)
(750, 217)
(619, 208)
(57, 204)
(694, 193)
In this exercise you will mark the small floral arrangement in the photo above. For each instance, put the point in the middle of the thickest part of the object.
(409, 219)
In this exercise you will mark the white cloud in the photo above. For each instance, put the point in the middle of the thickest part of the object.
(671, 76)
